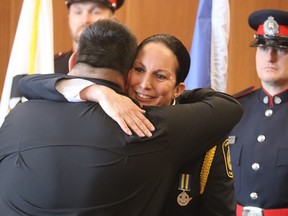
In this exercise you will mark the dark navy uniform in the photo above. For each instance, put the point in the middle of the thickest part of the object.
(259, 149)
(259, 146)
(61, 62)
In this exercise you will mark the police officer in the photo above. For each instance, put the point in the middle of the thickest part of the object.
(81, 14)
(259, 146)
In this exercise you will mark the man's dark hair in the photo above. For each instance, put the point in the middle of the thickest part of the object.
(176, 47)
(107, 44)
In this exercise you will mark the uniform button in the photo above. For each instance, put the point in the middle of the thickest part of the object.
(255, 166)
(261, 138)
(254, 196)
(265, 99)
(268, 112)
(277, 100)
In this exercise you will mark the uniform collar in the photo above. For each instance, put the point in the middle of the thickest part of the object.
(275, 100)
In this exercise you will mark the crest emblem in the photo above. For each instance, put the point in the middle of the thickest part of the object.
(227, 158)
(271, 27)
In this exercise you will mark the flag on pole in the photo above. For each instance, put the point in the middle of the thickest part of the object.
(209, 51)
(32, 50)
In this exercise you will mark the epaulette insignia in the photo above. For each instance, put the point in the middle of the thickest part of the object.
(227, 158)
(244, 92)
(58, 55)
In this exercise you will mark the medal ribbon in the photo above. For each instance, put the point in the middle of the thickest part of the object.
(184, 182)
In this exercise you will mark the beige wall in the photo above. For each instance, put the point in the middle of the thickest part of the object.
(150, 17)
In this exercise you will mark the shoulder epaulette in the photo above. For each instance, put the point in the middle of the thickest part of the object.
(60, 55)
(244, 92)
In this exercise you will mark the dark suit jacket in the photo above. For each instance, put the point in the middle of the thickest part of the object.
(72, 159)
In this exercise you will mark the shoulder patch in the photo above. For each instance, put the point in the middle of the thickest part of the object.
(227, 158)
(244, 92)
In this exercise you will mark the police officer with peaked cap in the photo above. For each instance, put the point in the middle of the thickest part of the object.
(78, 20)
(112, 4)
(259, 142)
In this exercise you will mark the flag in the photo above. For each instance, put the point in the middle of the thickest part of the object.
(209, 50)
(32, 50)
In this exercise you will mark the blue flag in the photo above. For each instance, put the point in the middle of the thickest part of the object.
(209, 51)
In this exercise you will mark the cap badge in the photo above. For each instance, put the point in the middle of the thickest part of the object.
(271, 27)
(113, 3)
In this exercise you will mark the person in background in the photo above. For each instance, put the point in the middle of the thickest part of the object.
(83, 13)
(259, 146)
(203, 186)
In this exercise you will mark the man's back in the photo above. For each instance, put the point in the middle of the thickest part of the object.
(87, 167)
(72, 159)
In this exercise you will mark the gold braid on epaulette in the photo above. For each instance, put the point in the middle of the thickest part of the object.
(206, 168)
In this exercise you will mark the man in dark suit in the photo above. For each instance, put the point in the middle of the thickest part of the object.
(83, 13)
(72, 159)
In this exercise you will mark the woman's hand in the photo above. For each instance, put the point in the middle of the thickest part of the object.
(120, 108)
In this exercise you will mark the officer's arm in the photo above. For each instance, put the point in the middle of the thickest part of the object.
(200, 125)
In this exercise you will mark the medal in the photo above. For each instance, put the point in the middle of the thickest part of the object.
(184, 185)
(183, 199)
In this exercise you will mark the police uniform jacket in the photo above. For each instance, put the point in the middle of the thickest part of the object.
(61, 61)
(207, 180)
(210, 198)
(72, 159)
(259, 151)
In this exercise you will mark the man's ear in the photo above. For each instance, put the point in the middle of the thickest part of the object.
(72, 61)
(179, 89)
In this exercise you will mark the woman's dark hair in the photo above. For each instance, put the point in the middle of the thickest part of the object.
(107, 44)
(177, 47)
